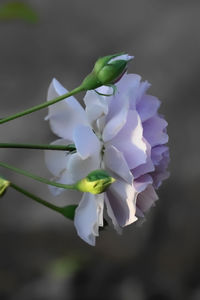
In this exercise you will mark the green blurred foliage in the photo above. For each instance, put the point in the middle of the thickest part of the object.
(18, 11)
(66, 266)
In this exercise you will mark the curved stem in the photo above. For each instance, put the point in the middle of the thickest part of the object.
(38, 178)
(42, 105)
(70, 147)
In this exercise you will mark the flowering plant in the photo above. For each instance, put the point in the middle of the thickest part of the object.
(122, 134)
(113, 151)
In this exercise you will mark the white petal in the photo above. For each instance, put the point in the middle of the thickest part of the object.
(86, 142)
(56, 161)
(65, 115)
(79, 168)
(122, 198)
(125, 57)
(96, 106)
(115, 124)
(115, 161)
(89, 216)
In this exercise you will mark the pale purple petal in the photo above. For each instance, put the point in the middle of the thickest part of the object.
(161, 172)
(147, 107)
(122, 197)
(143, 87)
(114, 161)
(65, 115)
(157, 153)
(130, 142)
(146, 199)
(142, 182)
(89, 216)
(86, 142)
(147, 167)
(155, 131)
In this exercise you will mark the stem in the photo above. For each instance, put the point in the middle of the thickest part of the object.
(70, 147)
(38, 178)
(37, 199)
(42, 105)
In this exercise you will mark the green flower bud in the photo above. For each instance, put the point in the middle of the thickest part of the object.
(4, 184)
(107, 70)
(95, 182)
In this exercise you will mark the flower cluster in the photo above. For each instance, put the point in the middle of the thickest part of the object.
(122, 134)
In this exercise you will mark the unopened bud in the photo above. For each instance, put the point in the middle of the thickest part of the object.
(107, 70)
(95, 182)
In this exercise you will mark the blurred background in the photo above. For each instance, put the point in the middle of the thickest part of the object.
(41, 256)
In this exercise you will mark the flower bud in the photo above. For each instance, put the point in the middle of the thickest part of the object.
(95, 182)
(107, 70)
(4, 184)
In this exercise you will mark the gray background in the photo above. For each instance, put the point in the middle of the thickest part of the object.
(158, 260)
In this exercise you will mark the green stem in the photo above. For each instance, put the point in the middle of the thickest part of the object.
(38, 178)
(70, 147)
(37, 199)
(42, 105)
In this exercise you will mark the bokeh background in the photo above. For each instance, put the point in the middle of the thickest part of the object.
(41, 256)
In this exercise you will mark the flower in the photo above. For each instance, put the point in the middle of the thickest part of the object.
(122, 134)
(107, 70)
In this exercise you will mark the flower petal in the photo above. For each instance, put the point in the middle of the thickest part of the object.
(86, 142)
(155, 131)
(115, 161)
(147, 107)
(122, 197)
(79, 168)
(65, 115)
(142, 182)
(115, 124)
(130, 142)
(147, 167)
(96, 106)
(125, 57)
(56, 161)
(89, 216)
(146, 199)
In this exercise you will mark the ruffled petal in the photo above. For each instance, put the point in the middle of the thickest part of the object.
(115, 161)
(147, 107)
(89, 216)
(147, 167)
(155, 131)
(142, 182)
(86, 142)
(116, 123)
(65, 115)
(130, 142)
(146, 199)
(122, 197)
